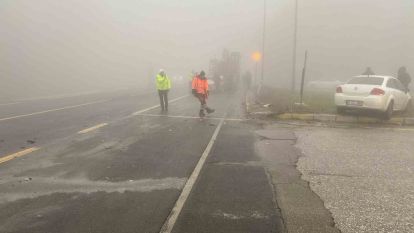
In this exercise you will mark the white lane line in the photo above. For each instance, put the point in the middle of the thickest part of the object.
(6, 104)
(190, 117)
(50, 97)
(52, 110)
(175, 212)
(156, 106)
(87, 130)
(18, 154)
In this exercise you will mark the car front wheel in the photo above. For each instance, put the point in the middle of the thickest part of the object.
(390, 111)
(340, 110)
(409, 107)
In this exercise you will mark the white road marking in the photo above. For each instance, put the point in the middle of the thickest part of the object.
(51, 110)
(156, 106)
(18, 154)
(92, 128)
(50, 97)
(175, 212)
(44, 186)
(5, 104)
(191, 117)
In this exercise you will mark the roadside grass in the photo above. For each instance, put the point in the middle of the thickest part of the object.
(321, 101)
(315, 101)
(281, 100)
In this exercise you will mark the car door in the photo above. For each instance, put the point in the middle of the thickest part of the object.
(392, 88)
(402, 93)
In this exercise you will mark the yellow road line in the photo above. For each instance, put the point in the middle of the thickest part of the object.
(18, 154)
(92, 128)
(395, 129)
(51, 110)
(402, 129)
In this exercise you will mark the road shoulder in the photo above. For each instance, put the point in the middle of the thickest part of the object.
(302, 209)
(233, 193)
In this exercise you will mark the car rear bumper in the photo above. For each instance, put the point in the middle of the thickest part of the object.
(368, 102)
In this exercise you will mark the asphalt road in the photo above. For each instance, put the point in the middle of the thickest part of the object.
(110, 162)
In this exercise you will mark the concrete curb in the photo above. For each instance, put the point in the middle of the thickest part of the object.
(332, 118)
(329, 118)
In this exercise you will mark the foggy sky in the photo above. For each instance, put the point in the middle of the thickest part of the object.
(342, 37)
(77, 45)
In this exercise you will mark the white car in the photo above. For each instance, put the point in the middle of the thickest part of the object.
(383, 93)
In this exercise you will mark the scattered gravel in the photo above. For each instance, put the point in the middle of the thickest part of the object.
(364, 176)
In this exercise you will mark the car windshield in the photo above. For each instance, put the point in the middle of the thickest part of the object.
(367, 81)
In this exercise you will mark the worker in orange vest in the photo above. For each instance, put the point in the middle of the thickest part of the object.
(200, 91)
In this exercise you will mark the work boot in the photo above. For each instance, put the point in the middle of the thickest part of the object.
(202, 114)
(210, 110)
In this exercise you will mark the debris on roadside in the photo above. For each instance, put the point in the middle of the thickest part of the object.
(31, 141)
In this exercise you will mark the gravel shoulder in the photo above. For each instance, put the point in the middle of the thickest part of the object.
(365, 177)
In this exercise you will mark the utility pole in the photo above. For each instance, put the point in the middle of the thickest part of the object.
(302, 83)
(263, 43)
(294, 47)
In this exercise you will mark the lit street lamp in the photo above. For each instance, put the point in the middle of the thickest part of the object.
(257, 57)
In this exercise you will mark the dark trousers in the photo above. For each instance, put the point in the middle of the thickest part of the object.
(202, 98)
(163, 99)
(203, 101)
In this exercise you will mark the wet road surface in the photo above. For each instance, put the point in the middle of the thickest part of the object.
(112, 163)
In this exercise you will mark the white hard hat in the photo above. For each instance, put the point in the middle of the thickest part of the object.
(161, 71)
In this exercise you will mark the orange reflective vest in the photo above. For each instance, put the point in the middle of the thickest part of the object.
(200, 85)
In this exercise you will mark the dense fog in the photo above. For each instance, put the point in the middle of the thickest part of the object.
(50, 47)
(343, 37)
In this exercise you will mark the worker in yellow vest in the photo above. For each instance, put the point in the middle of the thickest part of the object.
(163, 86)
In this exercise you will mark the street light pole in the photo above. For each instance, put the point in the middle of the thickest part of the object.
(294, 47)
(257, 57)
(255, 74)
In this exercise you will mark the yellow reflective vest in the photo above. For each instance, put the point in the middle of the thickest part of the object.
(163, 82)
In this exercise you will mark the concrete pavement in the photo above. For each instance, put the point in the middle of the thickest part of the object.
(364, 176)
(333, 118)
(302, 210)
